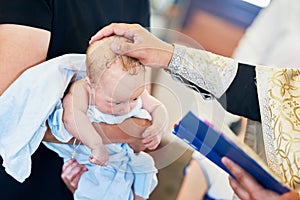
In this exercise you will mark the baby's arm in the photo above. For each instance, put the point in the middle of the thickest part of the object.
(75, 105)
(153, 134)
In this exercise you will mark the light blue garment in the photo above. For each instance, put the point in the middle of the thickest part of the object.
(26, 105)
(125, 170)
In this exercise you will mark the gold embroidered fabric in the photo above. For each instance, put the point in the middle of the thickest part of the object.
(209, 71)
(279, 97)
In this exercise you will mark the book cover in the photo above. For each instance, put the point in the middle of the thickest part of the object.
(214, 144)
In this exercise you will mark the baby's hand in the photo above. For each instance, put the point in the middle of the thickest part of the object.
(152, 136)
(99, 156)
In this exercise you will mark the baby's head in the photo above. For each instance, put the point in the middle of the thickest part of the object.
(117, 81)
(100, 57)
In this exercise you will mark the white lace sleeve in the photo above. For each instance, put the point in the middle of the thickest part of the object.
(209, 71)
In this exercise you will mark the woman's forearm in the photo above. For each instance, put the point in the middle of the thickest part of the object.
(129, 131)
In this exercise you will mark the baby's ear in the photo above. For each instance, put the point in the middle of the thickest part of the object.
(91, 89)
(87, 80)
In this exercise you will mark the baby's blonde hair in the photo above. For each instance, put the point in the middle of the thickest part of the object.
(100, 57)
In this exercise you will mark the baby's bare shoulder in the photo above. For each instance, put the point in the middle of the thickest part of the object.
(78, 95)
(79, 87)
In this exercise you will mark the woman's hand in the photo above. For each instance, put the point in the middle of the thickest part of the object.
(147, 48)
(245, 187)
(71, 173)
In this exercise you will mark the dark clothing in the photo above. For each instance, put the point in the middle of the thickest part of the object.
(71, 23)
(241, 96)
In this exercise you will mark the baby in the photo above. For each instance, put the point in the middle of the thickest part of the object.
(113, 91)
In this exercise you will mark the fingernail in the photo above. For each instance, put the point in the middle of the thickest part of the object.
(115, 47)
(225, 161)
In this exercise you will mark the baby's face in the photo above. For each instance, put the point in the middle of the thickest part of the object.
(118, 91)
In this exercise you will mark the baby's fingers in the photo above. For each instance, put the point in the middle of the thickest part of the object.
(151, 131)
(95, 161)
(150, 136)
(152, 145)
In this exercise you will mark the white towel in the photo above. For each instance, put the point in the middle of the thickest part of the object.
(26, 105)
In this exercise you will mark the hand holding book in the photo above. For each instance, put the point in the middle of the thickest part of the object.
(245, 187)
(214, 145)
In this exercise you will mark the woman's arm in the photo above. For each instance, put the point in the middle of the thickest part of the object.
(21, 47)
(127, 132)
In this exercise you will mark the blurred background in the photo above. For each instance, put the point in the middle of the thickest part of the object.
(216, 26)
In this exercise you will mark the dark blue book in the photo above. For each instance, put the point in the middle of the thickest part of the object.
(213, 144)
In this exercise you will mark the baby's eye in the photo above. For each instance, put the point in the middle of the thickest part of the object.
(134, 100)
(117, 103)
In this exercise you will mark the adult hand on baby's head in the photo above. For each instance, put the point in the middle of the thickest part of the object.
(120, 29)
(147, 48)
(71, 173)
